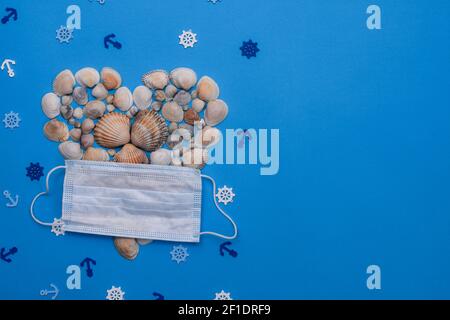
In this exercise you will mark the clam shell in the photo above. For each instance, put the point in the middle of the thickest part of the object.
(56, 130)
(94, 109)
(75, 134)
(160, 95)
(142, 97)
(195, 158)
(51, 105)
(66, 100)
(66, 112)
(87, 77)
(123, 99)
(130, 154)
(144, 242)
(207, 89)
(157, 79)
(172, 111)
(80, 96)
(190, 117)
(183, 78)
(127, 247)
(198, 105)
(96, 154)
(170, 91)
(87, 140)
(111, 78)
(183, 98)
(149, 131)
(64, 83)
(112, 130)
(100, 92)
(216, 111)
(87, 125)
(161, 157)
(70, 150)
(157, 105)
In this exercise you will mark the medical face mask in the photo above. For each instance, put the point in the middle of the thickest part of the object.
(132, 200)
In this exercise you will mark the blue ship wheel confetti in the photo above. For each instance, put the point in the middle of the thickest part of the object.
(35, 171)
(249, 49)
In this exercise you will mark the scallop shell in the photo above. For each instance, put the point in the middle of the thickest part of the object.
(149, 131)
(216, 111)
(96, 154)
(157, 79)
(130, 154)
(127, 247)
(112, 130)
(183, 78)
(70, 150)
(123, 99)
(94, 109)
(195, 158)
(207, 89)
(161, 157)
(56, 130)
(142, 97)
(190, 117)
(87, 77)
(100, 91)
(64, 83)
(87, 140)
(172, 111)
(51, 105)
(80, 96)
(111, 78)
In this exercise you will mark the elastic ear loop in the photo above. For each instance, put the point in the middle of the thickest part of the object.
(221, 211)
(43, 193)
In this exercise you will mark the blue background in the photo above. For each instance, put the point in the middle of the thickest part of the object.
(364, 122)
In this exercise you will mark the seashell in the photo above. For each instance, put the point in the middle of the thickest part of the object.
(109, 99)
(64, 83)
(216, 111)
(187, 127)
(66, 112)
(142, 97)
(110, 108)
(161, 157)
(183, 98)
(183, 78)
(160, 95)
(56, 130)
(207, 89)
(87, 140)
(157, 79)
(185, 108)
(190, 117)
(94, 109)
(80, 96)
(178, 137)
(95, 154)
(173, 126)
(195, 158)
(87, 126)
(75, 134)
(170, 91)
(70, 150)
(76, 124)
(100, 91)
(111, 152)
(130, 154)
(87, 77)
(144, 242)
(127, 247)
(78, 113)
(111, 79)
(123, 99)
(149, 131)
(133, 111)
(157, 105)
(208, 137)
(194, 94)
(112, 130)
(66, 100)
(176, 158)
(51, 105)
(172, 111)
(198, 105)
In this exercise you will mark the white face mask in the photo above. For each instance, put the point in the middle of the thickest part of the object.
(132, 200)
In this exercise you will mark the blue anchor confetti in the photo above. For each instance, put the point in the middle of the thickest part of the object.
(109, 40)
(224, 248)
(12, 13)
(88, 261)
(249, 49)
(35, 171)
(4, 255)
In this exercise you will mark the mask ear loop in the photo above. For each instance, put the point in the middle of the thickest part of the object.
(221, 211)
(47, 190)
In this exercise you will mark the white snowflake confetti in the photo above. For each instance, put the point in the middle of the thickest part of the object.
(11, 120)
(225, 195)
(115, 293)
(223, 296)
(188, 39)
(179, 253)
(58, 227)
(64, 34)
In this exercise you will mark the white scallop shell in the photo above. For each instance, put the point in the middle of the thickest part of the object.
(123, 99)
(207, 89)
(216, 111)
(157, 79)
(94, 109)
(64, 83)
(172, 111)
(183, 78)
(51, 105)
(87, 77)
(161, 157)
(142, 97)
(111, 78)
(70, 150)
